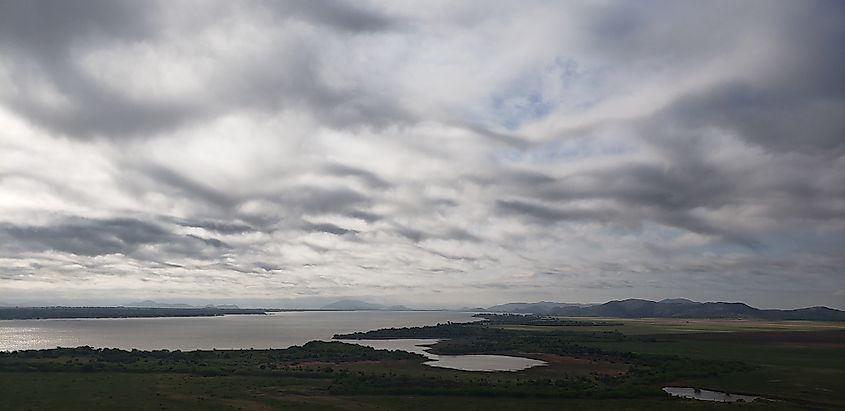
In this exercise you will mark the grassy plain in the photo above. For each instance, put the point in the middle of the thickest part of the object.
(796, 366)
(168, 391)
(654, 326)
(798, 361)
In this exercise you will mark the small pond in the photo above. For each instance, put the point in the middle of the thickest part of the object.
(483, 362)
(707, 395)
(455, 362)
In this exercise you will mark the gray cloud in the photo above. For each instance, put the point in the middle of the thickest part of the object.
(98, 237)
(363, 215)
(48, 27)
(217, 226)
(546, 215)
(369, 178)
(427, 152)
(46, 39)
(333, 14)
(775, 119)
(41, 38)
(329, 228)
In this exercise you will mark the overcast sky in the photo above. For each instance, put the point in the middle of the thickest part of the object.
(429, 153)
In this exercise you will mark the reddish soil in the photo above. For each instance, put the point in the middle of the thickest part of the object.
(309, 364)
(597, 367)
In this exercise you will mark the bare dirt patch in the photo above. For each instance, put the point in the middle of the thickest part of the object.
(599, 367)
(316, 364)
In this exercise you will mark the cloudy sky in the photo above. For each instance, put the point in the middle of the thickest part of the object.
(437, 153)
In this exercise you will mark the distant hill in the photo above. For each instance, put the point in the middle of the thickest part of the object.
(25, 313)
(678, 308)
(677, 301)
(542, 307)
(155, 304)
(357, 305)
(223, 306)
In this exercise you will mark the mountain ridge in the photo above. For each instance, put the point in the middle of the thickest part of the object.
(358, 305)
(155, 304)
(540, 307)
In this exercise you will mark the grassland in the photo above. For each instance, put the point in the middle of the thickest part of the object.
(615, 365)
(798, 361)
(128, 391)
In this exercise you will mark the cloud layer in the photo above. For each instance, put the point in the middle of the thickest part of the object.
(437, 153)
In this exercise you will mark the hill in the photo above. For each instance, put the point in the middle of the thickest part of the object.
(154, 304)
(357, 305)
(677, 301)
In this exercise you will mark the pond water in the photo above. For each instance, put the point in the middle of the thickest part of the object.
(707, 395)
(455, 362)
(484, 362)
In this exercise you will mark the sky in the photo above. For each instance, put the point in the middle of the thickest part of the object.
(433, 154)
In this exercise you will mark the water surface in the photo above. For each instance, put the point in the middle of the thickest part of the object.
(707, 395)
(455, 362)
(483, 362)
(275, 330)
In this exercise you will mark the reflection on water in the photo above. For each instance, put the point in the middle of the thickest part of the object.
(456, 362)
(707, 395)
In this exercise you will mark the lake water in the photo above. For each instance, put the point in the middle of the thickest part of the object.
(275, 330)
(456, 362)
(707, 395)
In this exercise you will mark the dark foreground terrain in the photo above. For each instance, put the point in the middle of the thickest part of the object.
(613, 365)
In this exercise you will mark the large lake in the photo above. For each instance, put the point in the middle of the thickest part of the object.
(275, 330)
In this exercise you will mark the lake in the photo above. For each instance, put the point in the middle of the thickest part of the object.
(275, 330)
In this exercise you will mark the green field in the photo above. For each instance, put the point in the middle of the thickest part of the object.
(126, 391)
(799, 365)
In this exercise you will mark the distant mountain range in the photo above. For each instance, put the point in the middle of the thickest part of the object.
(346, 305)
(154, 304)
(677, 301)
(671, 308)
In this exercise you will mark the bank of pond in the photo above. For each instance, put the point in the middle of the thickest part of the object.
(470, 362)
(707, 395)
